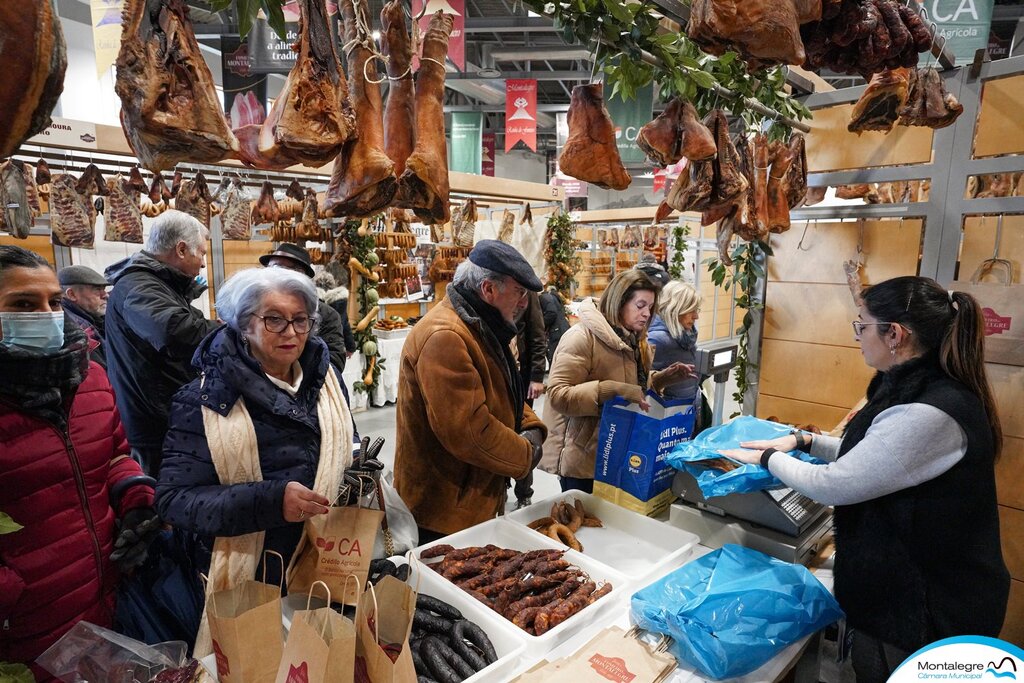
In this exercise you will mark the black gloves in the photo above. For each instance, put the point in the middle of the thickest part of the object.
(536, 439)
(361, 477)
(138, 528)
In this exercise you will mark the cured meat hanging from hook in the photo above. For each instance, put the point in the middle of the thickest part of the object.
(265, 209)
(423, 186)
(72, 215)
(34, 56)
(158, 190)
(675, 133)
(928, 103)
(796, 178)
(400, 110)
(729, 182)
(591, 154)
(170, 110)
(15, 210)
(363, 179)
(508, 225)
(123, 218)
(527, 217)
(42, 172)
(881, 102)
(236, 219)
(194, 199)
(777, 196)
(310, 119)
(135, 180)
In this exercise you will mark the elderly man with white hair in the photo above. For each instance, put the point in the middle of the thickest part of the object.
(152, 329)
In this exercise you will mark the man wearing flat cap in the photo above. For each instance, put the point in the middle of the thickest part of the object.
(463, 425)
(330, 326)
(85, 303)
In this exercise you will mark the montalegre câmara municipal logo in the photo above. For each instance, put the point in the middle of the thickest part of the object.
(964, 658)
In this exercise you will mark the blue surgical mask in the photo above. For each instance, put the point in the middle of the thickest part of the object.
(41, 331)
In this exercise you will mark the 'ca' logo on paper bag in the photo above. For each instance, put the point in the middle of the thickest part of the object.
(298, 674)
(222, 661)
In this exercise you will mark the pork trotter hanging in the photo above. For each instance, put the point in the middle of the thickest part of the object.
(363, 179)
(675, 133)
(400, 110)
(423, 186)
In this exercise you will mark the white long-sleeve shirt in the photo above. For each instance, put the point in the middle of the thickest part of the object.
(905, 445)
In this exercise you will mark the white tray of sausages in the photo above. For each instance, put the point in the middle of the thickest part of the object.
(607, 588)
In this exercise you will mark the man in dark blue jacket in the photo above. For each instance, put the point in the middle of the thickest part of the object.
(153, 330)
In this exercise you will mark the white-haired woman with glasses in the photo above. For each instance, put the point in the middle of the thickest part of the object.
(261, 440)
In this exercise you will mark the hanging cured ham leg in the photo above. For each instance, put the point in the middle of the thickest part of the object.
(590, 153)
(170, 110)
(34, 57)
(778, 197)
(675, 133)
(310, 120)
(423, 186)
(363, 180)
(400, 111)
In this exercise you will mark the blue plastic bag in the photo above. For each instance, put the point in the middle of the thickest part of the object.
(630, 467)
(744, 479)
(733, 609)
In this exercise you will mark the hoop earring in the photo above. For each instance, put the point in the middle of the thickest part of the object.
(892, 350)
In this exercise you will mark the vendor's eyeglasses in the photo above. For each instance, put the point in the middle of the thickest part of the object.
(858, 327)
(277, 324)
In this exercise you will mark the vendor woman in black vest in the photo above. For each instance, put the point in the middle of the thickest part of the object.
(912, 479)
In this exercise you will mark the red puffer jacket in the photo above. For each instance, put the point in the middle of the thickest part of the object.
(57, 571)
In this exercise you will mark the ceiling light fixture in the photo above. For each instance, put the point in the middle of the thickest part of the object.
(488, 72)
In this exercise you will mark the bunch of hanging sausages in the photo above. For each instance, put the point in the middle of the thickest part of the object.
(563, 523)
(535, 590)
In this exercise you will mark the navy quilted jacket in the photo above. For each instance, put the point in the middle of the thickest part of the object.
(189, 493)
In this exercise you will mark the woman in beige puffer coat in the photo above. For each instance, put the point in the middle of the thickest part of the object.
(604, 355)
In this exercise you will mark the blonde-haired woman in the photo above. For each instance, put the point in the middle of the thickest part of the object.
(673, 335)
(605, 355)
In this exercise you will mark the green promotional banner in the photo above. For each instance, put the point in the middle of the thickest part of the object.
(628, 116)
(964, 23)
(467, 142)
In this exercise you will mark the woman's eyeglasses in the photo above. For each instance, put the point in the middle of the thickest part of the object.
(277, 324)
(858, 327)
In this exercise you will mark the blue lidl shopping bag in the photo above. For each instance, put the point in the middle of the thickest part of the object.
(733, 609)
(746, 478)
(631, 447)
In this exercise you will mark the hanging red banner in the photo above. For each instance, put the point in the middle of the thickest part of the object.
(659, 179)
(490, 148)
(457, 42)
(521, 113)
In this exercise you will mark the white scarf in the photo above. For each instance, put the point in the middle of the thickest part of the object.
(235, 454)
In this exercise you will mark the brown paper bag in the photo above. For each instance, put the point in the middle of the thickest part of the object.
(611, 655)
(384, 620)
(1002, 304)
(245, 625)
(321, 646)
(333, 547)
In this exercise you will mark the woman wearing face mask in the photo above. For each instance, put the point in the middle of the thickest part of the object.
(605, 355)
(66, 476)
(912, 479)
(259, 443)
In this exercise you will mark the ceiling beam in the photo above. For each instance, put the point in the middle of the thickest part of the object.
(509, 25)
(554, 54)
(537, 75)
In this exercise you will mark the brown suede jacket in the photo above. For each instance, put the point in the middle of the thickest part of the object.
(456, 444)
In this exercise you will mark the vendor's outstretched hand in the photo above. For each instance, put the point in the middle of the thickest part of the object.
(742, 455)
(783, 443)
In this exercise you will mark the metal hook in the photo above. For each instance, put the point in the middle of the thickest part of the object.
(800, 244)
(423, 11)
(999, 237)
(861, 225)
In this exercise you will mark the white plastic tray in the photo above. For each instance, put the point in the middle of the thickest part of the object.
(639, 547)
(508, 641)
(505, 535)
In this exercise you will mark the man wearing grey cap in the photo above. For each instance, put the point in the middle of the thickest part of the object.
(85, 303)
(463, 426)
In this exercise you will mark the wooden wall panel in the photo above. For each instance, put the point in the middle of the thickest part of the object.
(890, 250)
(814, 313)
(830, 147)
(243, 254)
(1010, 473)
(1011, 525)
(980, 239)
(39, 244)
(799, 412)
(1013, 627)
(1000, 127)
(831, 375)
